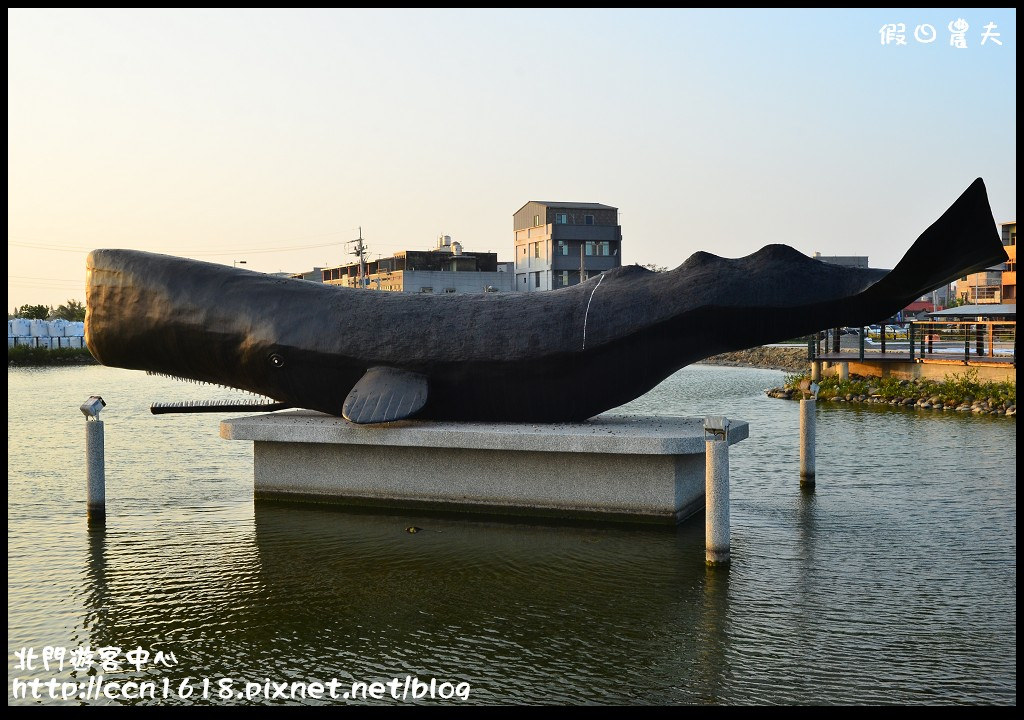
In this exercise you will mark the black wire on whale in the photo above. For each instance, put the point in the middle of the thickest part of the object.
(554, 356)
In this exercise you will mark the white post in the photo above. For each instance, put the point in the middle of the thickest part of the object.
(716, 488)
(816, 371)
(844, 371)
(807, 441)
(96, 496)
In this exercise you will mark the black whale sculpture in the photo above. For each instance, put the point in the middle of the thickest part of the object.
(562, 355)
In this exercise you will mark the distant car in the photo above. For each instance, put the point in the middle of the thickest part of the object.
(849, 331)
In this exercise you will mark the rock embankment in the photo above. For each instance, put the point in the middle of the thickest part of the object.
(996, 399)
(790, 359)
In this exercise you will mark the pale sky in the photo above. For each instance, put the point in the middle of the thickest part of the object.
(229, 135)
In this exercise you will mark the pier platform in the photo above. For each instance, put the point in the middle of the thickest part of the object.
(931, 367)
(614, 468)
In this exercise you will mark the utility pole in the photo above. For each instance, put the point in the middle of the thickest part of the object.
(360, 252)
(583, 267)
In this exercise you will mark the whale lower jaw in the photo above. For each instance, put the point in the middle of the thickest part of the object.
(259, 403)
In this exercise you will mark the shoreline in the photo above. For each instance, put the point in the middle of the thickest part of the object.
(25, 356)
(786, 359)
(963, 394)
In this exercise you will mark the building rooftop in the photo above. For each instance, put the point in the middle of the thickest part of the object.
(993, 310)
(563, 204)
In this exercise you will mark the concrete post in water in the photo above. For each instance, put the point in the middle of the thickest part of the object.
(96, 496)
(844, 371)
(807, 408)
(716, 490)
(815, 371)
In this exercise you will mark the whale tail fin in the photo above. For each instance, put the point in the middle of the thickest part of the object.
(962, 241)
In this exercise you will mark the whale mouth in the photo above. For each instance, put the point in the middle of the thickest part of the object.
(258, 403)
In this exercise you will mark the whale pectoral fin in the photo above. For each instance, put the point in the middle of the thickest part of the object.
(384, 394)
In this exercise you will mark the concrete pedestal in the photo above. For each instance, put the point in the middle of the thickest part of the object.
(634, 469)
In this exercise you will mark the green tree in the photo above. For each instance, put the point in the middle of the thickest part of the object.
(33, 312)
(655, 268)
(72, 311)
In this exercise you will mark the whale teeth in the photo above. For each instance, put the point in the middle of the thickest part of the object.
(195, 406)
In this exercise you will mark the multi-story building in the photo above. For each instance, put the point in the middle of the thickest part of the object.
(981, 288)
(997, 284)
(1008, 281)
(558, 244)
(446, 268)
(857, 261)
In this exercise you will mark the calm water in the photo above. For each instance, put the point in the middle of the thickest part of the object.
(894, 582)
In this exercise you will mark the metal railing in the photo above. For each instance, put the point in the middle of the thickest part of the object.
(965, 341)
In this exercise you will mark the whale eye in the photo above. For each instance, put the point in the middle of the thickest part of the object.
(276, 360)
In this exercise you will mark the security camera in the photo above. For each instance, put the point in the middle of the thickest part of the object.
(91, 407)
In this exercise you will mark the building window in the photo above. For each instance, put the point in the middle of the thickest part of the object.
(564, 277)
(536, 220)
(602, 249)
(562, 248)
(590, 248)
(536, 279)
(588, 219)
(561, 218)
(536, 249)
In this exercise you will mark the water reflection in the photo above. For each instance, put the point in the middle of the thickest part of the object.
(585, 612)
(893, 582)
(95, 587)
(712, 666)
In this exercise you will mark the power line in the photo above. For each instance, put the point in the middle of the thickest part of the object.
(180, 251)
(47, 279)
(57, 247)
